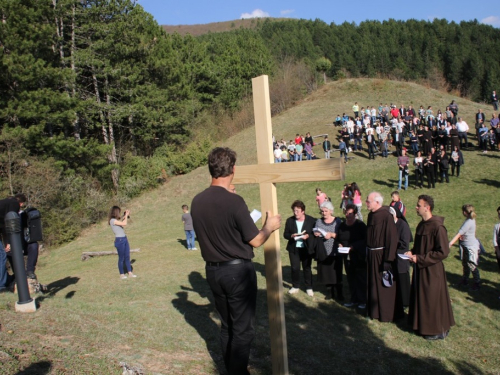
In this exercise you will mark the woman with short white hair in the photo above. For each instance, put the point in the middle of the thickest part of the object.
(330, 268)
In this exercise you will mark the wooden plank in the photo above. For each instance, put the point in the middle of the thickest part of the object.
(310, 170)
(269, 201)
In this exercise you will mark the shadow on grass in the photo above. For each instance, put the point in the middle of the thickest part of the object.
(37, 368)
(56, 286)
(199, 316)
(327, 338)
(494, 156)
(486, 181)
(388, 183)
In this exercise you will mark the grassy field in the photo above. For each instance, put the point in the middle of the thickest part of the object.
(164, 321)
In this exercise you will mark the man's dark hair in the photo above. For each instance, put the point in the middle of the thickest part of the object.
(221, 161)
(299, 204)
(21, 198)
(184, 207)
(427, 199)
(351, 206)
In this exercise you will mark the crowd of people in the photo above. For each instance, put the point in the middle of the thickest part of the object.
(377, 257)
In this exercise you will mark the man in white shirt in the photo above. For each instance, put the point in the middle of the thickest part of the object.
(462, 128)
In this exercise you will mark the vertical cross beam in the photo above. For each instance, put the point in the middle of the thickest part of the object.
(269, 201)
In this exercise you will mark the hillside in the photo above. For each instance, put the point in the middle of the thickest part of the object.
(164, 321)
(215, 27)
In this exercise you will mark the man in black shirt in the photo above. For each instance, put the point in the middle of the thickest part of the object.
(7, 205)
(227, 235)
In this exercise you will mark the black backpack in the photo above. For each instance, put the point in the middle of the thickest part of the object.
(31, 220)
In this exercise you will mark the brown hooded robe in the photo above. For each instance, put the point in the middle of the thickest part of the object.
(430, 306)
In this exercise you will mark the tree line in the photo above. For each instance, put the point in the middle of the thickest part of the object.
(98, 103)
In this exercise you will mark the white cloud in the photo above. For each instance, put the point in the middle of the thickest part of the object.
(286, 12)
(257, 13)
(491, 20)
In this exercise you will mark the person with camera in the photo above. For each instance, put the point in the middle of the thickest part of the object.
(118, 224)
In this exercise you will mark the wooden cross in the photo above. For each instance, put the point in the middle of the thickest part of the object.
(267, 174)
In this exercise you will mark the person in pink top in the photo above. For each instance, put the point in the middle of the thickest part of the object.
(320, 197)
(356, 199)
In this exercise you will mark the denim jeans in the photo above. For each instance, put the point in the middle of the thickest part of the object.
(123, 248)
(235, 295)
(190, 239)
(3, 270)
(401, 172)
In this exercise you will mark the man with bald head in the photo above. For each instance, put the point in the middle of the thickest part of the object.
(381, 242)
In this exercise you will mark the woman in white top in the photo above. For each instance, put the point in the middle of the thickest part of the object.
(469, 247)
(118, 224)
(419, 170)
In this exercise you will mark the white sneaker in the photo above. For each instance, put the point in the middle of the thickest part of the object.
(293, 290)
(194, 248)
(310, 292)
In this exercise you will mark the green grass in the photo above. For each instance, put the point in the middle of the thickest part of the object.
(164, 320)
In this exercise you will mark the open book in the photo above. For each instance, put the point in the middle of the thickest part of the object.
(319, 230)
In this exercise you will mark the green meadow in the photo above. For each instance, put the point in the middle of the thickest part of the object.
(164, 321)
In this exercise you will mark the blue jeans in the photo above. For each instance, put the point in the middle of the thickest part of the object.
(401, 172)
(309, 156)
(235, 295)
(414, 148)
(123, 248)
(190, 239)
(3, 270)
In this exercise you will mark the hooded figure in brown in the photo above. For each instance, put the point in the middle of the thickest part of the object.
(382, 243)
(430, 313)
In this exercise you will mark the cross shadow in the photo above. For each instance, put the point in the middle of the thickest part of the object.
(53, 288)
(37, 368)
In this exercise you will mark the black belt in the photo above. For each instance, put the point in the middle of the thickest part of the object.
(228, 263)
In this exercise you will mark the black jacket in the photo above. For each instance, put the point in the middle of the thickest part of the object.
(291, 228)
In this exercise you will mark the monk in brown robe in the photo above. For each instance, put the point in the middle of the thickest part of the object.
(382, 242)
(430, 307)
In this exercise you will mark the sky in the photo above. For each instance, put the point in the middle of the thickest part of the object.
(191, 12)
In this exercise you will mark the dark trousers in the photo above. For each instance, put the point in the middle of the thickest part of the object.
(462, 136)
(453, 165)
(404, 286)
(357, 280)
(419, 178)
(431, 177)
(444, 174)
(31, 251)
(235, 294)
(371, 151)
(300, 256)
(123, 249)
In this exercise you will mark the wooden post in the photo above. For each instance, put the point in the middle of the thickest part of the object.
(267, 174)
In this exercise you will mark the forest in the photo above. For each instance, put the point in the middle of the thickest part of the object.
(99, 104)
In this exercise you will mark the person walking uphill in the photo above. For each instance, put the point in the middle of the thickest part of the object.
(430, 313)
(121, 242)
(227, 235)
